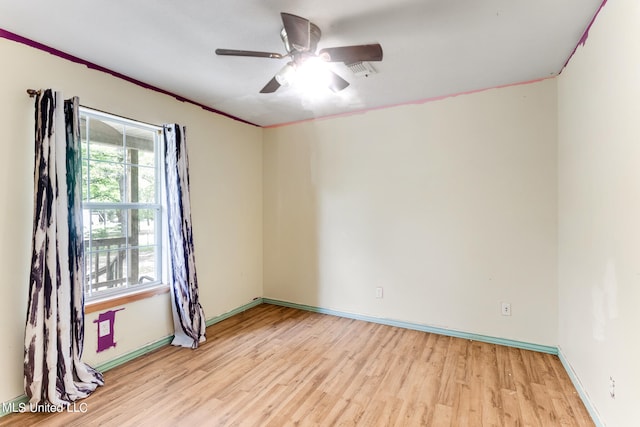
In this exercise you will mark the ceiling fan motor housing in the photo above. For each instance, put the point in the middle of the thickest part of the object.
(314, 32)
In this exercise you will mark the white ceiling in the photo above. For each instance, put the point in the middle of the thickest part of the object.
(432, 48)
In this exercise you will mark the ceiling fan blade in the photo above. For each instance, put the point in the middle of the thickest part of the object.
(252, 53)
(351, 54)
(271, 87)
(337, 83)
(298, 31)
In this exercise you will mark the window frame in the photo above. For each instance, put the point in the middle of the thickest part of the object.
(128, 292)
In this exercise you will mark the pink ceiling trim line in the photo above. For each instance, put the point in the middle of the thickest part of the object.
(585, 35)
(34, 44)
(418, 102)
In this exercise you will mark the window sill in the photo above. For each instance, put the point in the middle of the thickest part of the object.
(104, 304)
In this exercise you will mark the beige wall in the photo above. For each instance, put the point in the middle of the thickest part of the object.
(226, 183)
(599, 212)
(450, 206)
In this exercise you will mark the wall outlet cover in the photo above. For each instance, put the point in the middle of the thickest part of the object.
(505, 309)
(106, 335)
(104, 328)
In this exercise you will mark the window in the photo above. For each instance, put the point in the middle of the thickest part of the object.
(122, 212)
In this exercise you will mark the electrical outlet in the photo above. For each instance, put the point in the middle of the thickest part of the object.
(505, 309)
(104, 328)
(612, 387)
(379, 292)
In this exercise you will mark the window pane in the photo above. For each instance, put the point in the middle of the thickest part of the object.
(141, 228)
(147, 158)
(105, 141)
(142, 185)
(83, 131)
(143, 265)
(106, 268)
(101, 225)
(83, 136)
(147, 226)
(140, 144)
(107, 182)
(85, 181)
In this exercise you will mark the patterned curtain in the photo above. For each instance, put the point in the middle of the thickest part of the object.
(188, 316)
(54, 334)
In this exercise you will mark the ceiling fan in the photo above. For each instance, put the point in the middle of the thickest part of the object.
(300, 38)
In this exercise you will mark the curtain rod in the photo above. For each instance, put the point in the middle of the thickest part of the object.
(34, 92)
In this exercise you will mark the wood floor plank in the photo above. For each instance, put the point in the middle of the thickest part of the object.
(511, 414)
(522, 380)
(278, 366)
(443, 416)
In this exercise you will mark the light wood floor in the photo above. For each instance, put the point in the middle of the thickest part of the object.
(277, 366)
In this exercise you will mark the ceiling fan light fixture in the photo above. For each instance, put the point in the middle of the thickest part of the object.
(286, 75)
(325, 56)
(312, 74)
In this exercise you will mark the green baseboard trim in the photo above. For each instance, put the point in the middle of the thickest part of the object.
(13, 405)
(580, 389)
(255, 302)
(103, 367)
(418, 327)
